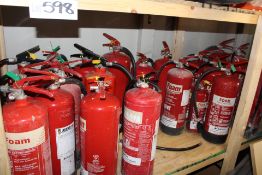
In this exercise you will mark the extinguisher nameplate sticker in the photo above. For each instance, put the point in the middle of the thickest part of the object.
(133, 116)
(68, 164)
(185, 97)
(169, 122)
(131, 160)
(154, 142)
(65, 140)
(25, 140)
(223, 101)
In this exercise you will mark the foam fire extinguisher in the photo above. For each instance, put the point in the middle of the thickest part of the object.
(167, 56)
(178, 87)
(61, 129)
(123, 56)
(141, 120)
(100, 113)
(142, 67)
(27, 130)
(221, 105)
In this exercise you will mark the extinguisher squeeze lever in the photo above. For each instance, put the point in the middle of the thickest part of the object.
(114, 43)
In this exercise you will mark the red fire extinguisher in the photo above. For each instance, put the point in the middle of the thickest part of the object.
(26, 129)
(141, 120)
(167, 56)
(220, 108)
(142, 67)
(178, 87)
(61, 129)
(118, 56)
(202, 103)
(100, 113)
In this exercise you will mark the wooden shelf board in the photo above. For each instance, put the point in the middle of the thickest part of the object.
(156, 7)
(182, 162)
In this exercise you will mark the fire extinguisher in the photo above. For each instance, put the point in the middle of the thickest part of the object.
(142, 67)
(178, 88)
(26, 129)
(167, 56)
(123, 56)
(202, 103)
(100, 113)
(61, 129)
(141, 120)
(220, 106)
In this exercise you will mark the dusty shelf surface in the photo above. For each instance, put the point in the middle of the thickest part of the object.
(180, 8)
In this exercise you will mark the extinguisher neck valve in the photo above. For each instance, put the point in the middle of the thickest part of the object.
(54, 86)
(116, 48)
(109, 63)
(142, 84)
(17, 94)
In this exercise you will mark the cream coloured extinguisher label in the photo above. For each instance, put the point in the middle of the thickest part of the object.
(133, 116)
(65, 140)
(220, 114)
(185, 97)
(68, 164)
(131, 160)
(169, 122)
(154, 142)
(25, 140)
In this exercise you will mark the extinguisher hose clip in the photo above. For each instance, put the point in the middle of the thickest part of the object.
(130, 55)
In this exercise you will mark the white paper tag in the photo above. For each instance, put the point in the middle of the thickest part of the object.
(185, 97)
(133, 116)
(53, 9)
(132, 160)
(68, 164)
(65, 140)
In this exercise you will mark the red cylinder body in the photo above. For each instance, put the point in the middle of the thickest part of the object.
(162, 81)
(142, 69)
(178, 87)
(91, 79)
(202, 102)
(99, 134)
(75, 91)
(141, 120)
(26, 129)
(121, 78)
(221, 105)
(61, 128)
(84, 70)
(159, 62)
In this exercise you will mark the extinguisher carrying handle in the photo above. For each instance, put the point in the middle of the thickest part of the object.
(113, 41)
(36, 71)
(23, 56)
(166, 51)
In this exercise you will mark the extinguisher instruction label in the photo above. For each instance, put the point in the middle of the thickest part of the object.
(65, 140)
(131, 160)
(168, 121)
(68, 164)
(220, 114)
(133, 116)
(25, 140)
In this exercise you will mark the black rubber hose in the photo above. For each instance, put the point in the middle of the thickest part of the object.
(155, 86)
(151, 61)
(133, 61)
(3, 62)
(122, 68)
(201, 65)
(178, 149)
(193, 97)
(77, 82)
(162, 68)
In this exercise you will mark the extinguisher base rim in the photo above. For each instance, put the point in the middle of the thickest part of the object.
(211, 137)
(171, 131)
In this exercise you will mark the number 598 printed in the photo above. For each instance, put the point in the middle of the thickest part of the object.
(53, 9)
